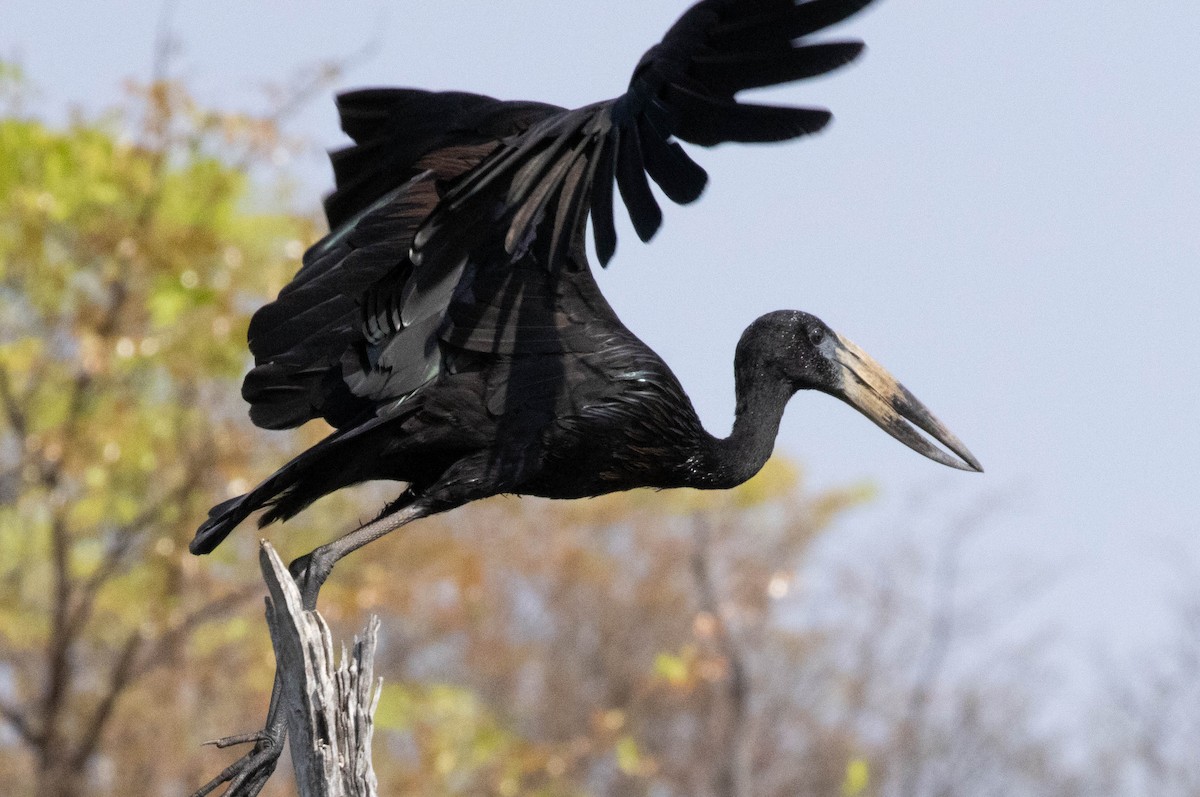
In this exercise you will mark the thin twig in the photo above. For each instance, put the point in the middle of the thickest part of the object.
(20, 723)
(12, 407)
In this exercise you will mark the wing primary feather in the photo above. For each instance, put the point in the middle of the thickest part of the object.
(570, 198)
(731, 72)
(527, 175)
(582, 204)
(604, 231)
(707, 121)
(483, 175)
(800, 19)
(531, 210)
(500, 163)
(680, 177)
(644, 211)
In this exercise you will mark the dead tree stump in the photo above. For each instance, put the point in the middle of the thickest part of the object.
(329, 709)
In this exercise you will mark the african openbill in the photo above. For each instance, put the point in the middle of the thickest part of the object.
(449, 327)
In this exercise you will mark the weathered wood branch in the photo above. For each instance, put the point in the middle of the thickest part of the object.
(329, 709)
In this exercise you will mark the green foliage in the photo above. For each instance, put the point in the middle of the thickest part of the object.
(460, 746)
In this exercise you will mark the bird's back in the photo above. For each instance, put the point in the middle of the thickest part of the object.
(575, 404)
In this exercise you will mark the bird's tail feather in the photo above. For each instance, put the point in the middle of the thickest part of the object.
(273, 494)
(327, 466)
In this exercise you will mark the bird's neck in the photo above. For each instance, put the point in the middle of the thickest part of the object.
(736, 458)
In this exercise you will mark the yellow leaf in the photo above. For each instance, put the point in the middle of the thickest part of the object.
(629, 758)
(858, 777)
(671, 667)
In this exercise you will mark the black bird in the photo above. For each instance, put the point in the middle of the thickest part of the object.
(449, 326)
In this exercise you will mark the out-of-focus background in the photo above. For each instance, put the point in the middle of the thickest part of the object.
(1004, 214)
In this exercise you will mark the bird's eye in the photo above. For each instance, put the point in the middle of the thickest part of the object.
(816, 335)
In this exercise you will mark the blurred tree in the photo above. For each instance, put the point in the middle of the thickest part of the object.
(127, 265)
(1146, 730)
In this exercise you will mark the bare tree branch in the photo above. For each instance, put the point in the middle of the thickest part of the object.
(154, 656)
(164, 41)
(942, 632)
(12, 406)
(58, 646)
(119, 679)
(20, 723)
(730, 775)
(122, 540)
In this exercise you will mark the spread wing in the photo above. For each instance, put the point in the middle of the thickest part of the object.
(458, 220)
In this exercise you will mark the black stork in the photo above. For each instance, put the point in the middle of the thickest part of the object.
(449, 327)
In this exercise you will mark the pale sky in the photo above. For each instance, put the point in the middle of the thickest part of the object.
(1005, 213)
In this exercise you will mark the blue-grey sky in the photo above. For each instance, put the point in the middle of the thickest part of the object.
(1006, 213)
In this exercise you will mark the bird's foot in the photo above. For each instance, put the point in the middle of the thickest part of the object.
(248, 774)
(309, 572)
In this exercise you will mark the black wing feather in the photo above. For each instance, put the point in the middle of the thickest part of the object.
(782, 22)
(572, 211)
(604, 230)
(394, 128)
(709, 121)
(644, 211)
(684, 88)
(680, 177)
(731, 72)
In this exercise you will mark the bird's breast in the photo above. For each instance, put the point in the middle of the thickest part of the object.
(643, 434)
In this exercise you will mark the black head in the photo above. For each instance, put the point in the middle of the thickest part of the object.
(800, 352)
(788, 346)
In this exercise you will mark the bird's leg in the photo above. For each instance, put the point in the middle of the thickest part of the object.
(311, 570)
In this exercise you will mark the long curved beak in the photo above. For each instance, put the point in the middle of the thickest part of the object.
(869, 388)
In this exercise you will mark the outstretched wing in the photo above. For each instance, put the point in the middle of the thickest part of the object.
(564, 167)
(458, 220)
